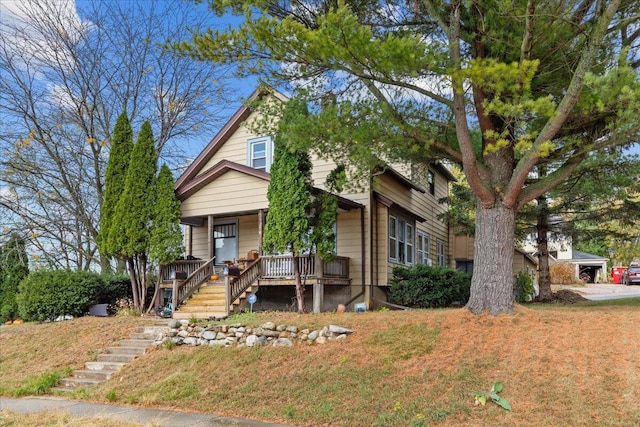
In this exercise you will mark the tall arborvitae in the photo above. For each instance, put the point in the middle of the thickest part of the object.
(166, 236)
(14, 266)
(130, 232)
(119, 157)
(289, 194)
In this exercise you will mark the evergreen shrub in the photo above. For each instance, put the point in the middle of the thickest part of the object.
(45, 295)
(429, 287)
(523, 287)
(114, 288)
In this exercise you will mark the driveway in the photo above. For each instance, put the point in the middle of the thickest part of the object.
(602, 291)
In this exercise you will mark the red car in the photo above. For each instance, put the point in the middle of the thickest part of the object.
(631, 276)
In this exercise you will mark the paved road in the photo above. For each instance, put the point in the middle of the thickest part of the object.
(602, 291)
(156, 417)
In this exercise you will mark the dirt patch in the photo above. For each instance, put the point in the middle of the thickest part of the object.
(565, 296)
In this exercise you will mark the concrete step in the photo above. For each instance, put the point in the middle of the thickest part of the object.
(144, 336)
(123, 358)
(79, 382)
(114, 358)
(64, 389)
(136, 343)
(93, 374)
(151, 330)
(104, 366)
(136, 351)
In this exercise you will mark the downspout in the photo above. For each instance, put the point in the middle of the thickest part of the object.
(372, 246)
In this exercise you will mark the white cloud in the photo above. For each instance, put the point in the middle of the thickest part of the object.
(37, 29)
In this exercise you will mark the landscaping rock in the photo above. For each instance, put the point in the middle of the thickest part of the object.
(238, 335)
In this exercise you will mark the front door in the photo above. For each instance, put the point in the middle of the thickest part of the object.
(225, 241)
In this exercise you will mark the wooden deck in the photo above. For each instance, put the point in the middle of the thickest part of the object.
(186, 277)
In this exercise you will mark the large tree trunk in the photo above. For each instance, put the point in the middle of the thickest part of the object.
(299, 287)
(492, 282)
(542, 230)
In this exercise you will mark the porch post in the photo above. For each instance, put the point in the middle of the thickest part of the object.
(260, 230)
(209, 236)
(189, 232)
(318, 286)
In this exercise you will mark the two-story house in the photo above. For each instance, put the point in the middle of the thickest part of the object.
(223, 193)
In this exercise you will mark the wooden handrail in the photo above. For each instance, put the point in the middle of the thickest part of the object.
(237, 285)
(183, 289)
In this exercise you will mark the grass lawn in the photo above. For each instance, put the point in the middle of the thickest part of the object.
(560, 365)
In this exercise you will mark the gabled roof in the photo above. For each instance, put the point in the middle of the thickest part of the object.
(400, 178)
(224, 166)
(577, 255)
(444, 171)
(187, 189)
(222, 136)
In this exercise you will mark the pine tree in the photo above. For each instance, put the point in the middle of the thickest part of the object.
(130, 232)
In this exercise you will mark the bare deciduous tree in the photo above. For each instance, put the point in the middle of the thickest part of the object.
(66, 76)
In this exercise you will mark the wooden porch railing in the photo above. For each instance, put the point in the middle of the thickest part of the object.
(235, 286)
(338, 267)
(182, 290)
(281, 266)
(168, 272)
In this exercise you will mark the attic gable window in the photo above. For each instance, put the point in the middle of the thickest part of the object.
(260, 153)
(431, 181)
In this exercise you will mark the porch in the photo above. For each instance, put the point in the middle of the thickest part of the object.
(187, 277)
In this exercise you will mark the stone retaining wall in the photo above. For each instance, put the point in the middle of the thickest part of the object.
(181, 332)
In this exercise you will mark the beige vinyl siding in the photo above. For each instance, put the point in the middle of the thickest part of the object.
(234, 149)
(463, 247)
(199, 243)
(231, 192)
(423, 204)
(383, 266)
(248, 235)
(349, 243)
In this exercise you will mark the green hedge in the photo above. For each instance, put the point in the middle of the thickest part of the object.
(115, 288)
(48, 294)
(429, 287)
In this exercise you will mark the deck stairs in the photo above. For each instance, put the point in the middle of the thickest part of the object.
(209, 302)
(113, 358)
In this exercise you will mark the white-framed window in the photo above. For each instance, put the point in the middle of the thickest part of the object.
(441, 252)
(401, 240)
(393, 239)
(410, 245)
(260, 153)
(424, 248)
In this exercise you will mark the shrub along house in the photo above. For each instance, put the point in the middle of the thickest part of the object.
(223, 194)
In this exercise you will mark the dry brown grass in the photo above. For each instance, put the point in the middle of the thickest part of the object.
(57, 419)
(560, 366)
